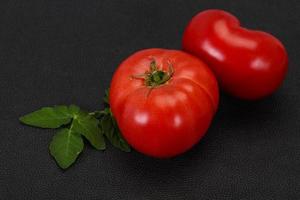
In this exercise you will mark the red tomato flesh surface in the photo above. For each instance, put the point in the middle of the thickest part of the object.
(167, 119)
(248, 64)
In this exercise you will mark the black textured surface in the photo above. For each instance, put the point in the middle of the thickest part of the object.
(63, 52)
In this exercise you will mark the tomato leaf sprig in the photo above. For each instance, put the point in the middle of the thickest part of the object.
(74, 123)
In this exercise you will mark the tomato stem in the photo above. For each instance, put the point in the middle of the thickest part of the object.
(155, 77)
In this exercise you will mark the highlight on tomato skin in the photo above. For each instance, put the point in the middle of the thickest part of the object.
(163, 101)
(248, 64)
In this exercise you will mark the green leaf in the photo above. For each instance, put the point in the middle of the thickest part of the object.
(112, 133)
(74, 110)
(106, 96)
(88, 126)
(48, 117)
(65, 147)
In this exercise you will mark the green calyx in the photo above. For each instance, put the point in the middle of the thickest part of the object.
(156, 77)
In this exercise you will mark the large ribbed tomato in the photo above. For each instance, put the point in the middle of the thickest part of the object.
(163, 101)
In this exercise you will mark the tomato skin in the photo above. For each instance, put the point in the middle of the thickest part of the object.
(248, 64)
(172, 117)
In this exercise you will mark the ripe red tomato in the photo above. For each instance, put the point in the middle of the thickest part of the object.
(163, 101)
(248, 64)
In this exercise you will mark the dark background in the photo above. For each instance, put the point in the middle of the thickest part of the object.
(63, 52)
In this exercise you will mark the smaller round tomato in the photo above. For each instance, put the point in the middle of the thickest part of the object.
(249, 64)
(163, 101)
